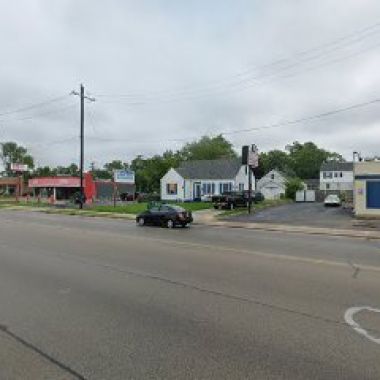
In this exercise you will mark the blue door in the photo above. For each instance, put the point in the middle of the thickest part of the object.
(373, 194)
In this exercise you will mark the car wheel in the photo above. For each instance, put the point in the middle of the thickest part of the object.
(169, 223)
(141, 222)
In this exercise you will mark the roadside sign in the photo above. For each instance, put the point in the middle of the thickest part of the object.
(124, 176)
(253, 157)
(19, 167)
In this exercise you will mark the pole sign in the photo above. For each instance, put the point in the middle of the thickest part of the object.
(253, 157)
(250, 156)
(124, 176)
(19, 167)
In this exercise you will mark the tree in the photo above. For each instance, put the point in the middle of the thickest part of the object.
(306, 159)
(71, 170)
(292, 186)
(44, 171)
(274, 159)
(115, 165)
(12, 153)
(208, 148)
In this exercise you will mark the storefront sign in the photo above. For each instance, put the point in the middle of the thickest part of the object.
(124, 176)
(19, 167)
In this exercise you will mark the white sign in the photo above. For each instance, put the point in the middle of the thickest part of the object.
(124, 176)
(19, 167)
(253, 157)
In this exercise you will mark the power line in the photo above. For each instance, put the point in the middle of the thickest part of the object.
(305, 119)
(38, 115)
(35, 105)
(267, 126)
(334, 46)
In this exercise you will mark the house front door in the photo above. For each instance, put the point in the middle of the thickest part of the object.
(197, 191)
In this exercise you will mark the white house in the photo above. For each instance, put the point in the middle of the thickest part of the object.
(272, 185)
(194, 180)
(337, 176)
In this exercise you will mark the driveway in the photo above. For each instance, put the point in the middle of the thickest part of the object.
(303, 214)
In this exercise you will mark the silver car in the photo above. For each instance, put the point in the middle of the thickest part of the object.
(332, 200)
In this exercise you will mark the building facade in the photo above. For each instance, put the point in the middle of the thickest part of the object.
(337, 176)
(272, 185)
(200, 180)
(367, 189)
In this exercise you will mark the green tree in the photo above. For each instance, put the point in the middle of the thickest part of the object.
(115, 165)
(11, 153)
(44, 171)
(274, 159)
(208, 148)
(306, 159)
(71, 170)
(292, 186)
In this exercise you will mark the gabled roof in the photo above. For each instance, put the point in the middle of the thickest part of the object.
(209, 169)
(333, 166)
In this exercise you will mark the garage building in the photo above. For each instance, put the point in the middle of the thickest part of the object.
(367, 189)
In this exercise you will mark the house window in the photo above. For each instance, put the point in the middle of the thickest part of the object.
(208, 188)
(327, 186)
(272, 176)
(327, 174)
(241, 186)
(225, 187)
(341, 174)
(171, 188)
(336, 175)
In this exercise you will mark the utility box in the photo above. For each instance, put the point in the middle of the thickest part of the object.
(309, 196)
(300, 196)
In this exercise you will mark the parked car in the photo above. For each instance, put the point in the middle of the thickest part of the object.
(332, 200)
(126, 197)
(233, 200)
(165, 215)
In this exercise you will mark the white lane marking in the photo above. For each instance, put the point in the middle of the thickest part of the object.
(349, 318)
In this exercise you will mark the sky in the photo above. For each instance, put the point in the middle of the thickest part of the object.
(166, 72)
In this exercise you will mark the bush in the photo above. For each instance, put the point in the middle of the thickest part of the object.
(292, 186)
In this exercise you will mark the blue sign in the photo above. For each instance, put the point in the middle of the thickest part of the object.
(124, 176)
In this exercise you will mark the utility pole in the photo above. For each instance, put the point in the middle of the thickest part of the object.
(81, 161)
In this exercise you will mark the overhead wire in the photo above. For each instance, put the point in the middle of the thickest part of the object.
(247, 77)
(35, 105)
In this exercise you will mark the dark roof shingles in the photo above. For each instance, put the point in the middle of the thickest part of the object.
(337, 166)
(209, 169)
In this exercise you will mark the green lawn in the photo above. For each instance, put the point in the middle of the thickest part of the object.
(135, 208)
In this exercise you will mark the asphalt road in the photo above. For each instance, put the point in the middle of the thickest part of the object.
(84, 298)
(303, 214)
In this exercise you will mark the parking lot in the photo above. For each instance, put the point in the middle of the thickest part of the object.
(303, 214)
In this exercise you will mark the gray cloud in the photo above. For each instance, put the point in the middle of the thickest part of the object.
(188, 68)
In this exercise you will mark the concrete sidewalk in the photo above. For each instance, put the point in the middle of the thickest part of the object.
(210, 218)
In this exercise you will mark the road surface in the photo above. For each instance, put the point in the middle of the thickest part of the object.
(303, 214)
(91, 298)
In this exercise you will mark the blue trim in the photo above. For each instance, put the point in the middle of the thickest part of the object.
(367, 176)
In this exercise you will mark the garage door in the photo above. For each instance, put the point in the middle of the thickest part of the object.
(373, 194)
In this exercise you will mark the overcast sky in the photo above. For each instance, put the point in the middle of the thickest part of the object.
(169, 71)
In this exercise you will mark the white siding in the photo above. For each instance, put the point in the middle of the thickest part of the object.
(242, 177)
(172, 177)
(272, 185)
(346, 182)
(185, 187)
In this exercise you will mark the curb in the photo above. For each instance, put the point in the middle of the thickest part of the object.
(363, 234)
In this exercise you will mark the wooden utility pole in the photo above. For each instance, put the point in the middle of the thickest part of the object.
(81, 161)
